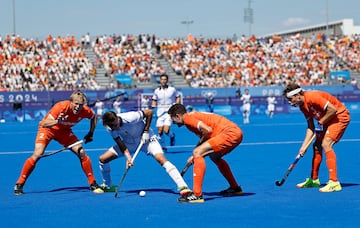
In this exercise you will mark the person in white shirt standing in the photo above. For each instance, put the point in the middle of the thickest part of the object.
(117, 105)
(163, 98)
(99, 105)
(246, 99)
(271, 101)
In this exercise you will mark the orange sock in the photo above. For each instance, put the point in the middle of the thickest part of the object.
(225, 170)
(316, 161)
(198, 175)
(87, 168)
(331, 164)
(27, 169)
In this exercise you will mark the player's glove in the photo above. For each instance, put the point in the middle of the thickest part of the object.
(145, 137)
(318, 128)
(88, 137)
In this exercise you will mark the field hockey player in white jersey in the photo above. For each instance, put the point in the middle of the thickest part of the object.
(246, 99)
(163, 98)
(128, 129)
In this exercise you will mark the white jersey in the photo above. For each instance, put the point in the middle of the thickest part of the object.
(271, 103)
(246, 98)
(131, 131)
(164, 97)
(99, 105)
(117, 106)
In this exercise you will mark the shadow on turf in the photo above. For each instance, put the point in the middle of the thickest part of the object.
(70, 189)
(207, 195)
(215, 195)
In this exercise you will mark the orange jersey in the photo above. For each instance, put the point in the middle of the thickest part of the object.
(71, 118)
(225, 135)
(315, 103)
(62, 132)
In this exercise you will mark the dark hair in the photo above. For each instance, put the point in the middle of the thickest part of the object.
(108, 118)
(164, 75)
(291, 87)
(177, 109)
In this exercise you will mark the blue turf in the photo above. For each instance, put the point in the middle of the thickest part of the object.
(57, 194)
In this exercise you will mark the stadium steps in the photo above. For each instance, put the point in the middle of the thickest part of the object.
(175, 80)
(102, 79)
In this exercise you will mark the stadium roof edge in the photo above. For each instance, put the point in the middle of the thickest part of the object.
(340, 27)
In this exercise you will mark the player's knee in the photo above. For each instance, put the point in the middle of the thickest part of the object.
(160, 158)
(215, 157)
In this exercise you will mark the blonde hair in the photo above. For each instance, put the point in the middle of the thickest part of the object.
(78, 95)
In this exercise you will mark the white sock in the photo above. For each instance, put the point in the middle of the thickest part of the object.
(174, 174)
(105, 173)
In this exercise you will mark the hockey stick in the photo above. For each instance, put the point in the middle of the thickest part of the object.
(292, 166)
(65, 148)
(128, 168)
(107, 99)
(186, 167)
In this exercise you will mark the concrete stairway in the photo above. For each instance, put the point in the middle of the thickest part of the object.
(101, 78)
(175, 80)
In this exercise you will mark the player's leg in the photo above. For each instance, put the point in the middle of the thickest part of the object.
(167, 129)
(198, 173)
(67, 137)
(160, 130)
(223, 144)
(105, 169)
(334, 133)
(41, 142)
(154, 148)
(28, 167)
(313, 181)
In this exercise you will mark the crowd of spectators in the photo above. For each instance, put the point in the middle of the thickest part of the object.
(51, 64)
(260, 62)
(61, 64)
(126, 54)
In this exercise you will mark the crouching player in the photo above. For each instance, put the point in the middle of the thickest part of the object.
(128, 129)
(218, 137)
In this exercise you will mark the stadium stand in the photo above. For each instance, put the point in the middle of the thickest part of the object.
(103, 62)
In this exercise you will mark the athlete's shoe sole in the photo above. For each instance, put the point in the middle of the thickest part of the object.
(332, 186)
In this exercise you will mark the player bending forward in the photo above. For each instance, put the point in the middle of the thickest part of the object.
(332, 119)
(128, 129)
(218, 137)
(57, 125)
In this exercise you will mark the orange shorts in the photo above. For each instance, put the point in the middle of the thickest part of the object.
(227, 140)
(64, 136)
(337, 126)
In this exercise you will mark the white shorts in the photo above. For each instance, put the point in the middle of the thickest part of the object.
(152, 147)
(163, 120)
(246, 107)
(271, 107)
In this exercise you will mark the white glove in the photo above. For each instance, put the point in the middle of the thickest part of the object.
(145, 137)
(318, 128)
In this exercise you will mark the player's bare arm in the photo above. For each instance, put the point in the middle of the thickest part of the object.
(148, 115)
(51, 121)
(125, 151)
(330, 113)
